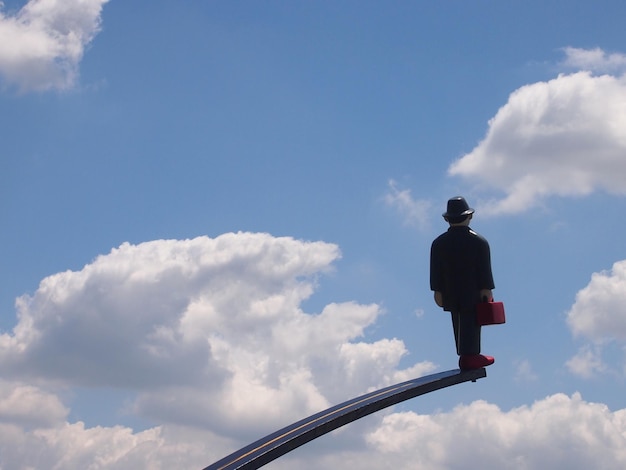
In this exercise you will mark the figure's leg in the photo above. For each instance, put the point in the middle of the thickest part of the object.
(456, 325)
(469, 334)
(469, 343)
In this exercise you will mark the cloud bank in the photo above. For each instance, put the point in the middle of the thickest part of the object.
(558, 432)
(564, 137)
(42, 44)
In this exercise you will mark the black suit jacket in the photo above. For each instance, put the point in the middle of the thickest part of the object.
(460, 266)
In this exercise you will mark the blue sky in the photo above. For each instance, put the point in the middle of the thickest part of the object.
(217, 218)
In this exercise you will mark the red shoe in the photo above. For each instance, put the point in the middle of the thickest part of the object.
(475, 361)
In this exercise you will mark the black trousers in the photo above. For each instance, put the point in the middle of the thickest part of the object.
(466, 332)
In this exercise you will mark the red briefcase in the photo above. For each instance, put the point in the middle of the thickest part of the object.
(490, 313)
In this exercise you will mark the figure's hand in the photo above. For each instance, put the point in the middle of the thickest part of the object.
(486, 293)
(438, 298)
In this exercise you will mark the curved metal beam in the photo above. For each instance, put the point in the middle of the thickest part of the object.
(285, 440)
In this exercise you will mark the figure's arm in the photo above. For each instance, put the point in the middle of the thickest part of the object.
(485, 278)
(435, 275)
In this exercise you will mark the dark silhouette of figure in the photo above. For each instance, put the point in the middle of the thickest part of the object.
(460, 276)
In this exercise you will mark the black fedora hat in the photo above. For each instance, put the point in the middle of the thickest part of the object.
(457, 207)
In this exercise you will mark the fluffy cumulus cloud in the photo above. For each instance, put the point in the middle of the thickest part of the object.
(565, 137)
(28, 406)
(206, 333)
(212, 321)
(599, 312)
(559, 432)
(599, 316)
(42, 44)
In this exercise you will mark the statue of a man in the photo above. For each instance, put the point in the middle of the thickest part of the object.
(460, 276)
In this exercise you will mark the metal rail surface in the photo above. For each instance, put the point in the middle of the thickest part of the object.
(289, 438)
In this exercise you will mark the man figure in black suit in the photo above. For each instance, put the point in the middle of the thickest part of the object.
(460, 276)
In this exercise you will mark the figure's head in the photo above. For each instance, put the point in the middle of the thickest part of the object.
(458, 211)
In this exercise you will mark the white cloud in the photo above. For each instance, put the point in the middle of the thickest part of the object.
(207, 332)
(594, 60)
(599, 317)
(524, 372)
(587, 363)
(413, 211)
(563, 137)
(28, 406)
(34, 434)
(72, 446)
(43, 43)
(385, 355)
(599, 313)
(559, 432)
